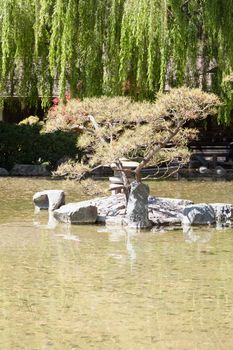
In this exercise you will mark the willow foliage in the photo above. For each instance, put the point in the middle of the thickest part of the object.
(113, 47)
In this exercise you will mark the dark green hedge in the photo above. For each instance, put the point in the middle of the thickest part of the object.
(25, 144)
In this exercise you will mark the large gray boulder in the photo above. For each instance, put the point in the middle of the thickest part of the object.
(49, 200)
(76, 213)
(198, 214)
(137, 208)
(4, 172)
(29, 170)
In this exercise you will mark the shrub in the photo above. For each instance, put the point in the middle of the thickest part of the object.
(26, 144)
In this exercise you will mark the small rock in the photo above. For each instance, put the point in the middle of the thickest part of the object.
(50, 199)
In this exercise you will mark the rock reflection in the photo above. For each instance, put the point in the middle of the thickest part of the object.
(67, 234)
(40, 217)
(197, 235)
(64, 295)
(52, 224)
(222, 226)
(117, 234)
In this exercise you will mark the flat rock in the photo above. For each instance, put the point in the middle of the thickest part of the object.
(165, 218)
(168, 203)
(76, 213)
(49, 199)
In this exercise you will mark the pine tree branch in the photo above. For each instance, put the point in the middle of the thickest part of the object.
(156, 149)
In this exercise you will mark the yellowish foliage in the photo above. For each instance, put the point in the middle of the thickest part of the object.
(71, 170)
(111, 128)
(32, 119)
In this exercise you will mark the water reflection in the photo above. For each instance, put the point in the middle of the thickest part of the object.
(198, 234)
(39, 220)
(126, 234)
(62, 230)
(93, 287)
(203, 234)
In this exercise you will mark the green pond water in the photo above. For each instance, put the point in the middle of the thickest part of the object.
(91, 287)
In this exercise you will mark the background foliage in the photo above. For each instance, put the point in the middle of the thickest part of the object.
(130, 47)
(25, 144)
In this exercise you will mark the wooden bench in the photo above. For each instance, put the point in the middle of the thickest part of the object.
(210, 155)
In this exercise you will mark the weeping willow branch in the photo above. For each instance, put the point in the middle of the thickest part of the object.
(114, 47)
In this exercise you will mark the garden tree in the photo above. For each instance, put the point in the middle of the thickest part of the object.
(113, 47)
(154, 133)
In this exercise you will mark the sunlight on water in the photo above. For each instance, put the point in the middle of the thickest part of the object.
(92, 287)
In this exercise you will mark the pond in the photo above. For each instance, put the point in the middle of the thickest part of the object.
(91, 287)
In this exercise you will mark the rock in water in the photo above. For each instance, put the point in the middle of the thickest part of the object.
(137, 208)
(76, 213)
(223, 212)
(198, 214)
(50, 199)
